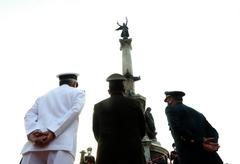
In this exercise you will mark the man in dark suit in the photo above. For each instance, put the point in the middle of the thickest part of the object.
(118, 126)
(196, 140)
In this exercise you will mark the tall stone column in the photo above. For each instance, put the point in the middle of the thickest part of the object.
(126, 48)
(127, 70)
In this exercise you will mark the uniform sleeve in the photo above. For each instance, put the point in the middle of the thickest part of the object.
(31, 118)
(95, 124)
(175, 117)
(60, 125)
(210, 131)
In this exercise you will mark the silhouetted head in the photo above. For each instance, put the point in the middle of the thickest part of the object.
(116, 83)
(173, 97)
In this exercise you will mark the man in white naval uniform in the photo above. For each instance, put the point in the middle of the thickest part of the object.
(52, 123)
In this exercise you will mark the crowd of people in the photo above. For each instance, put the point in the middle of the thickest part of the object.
(119, 124)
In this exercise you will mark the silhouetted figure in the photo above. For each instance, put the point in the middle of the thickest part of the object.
(119, 126)
(89, 159)
(196, 140)
(150, 125)
(124, 29)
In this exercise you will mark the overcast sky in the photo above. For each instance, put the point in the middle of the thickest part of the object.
(185, 45)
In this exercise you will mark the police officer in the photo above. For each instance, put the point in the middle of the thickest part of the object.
(52, 122)
(118, 126)
(196, 140)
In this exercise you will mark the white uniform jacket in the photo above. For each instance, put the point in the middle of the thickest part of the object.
(57, 111)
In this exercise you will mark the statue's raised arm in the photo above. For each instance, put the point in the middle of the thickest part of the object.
(124, 29)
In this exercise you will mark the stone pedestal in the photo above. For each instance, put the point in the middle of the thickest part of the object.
(158, 153)
(153, 152)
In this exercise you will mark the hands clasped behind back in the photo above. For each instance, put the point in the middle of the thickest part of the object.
(40, 138)
(209, 145)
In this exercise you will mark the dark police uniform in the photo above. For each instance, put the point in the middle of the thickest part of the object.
(188, 128)
(119, 126)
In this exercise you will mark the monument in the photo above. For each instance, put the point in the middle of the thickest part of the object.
(154, 153)
(127, 70)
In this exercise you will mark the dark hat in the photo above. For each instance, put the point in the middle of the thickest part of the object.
(116, 77)
(68, 76)
(116, 82)
(175, 94)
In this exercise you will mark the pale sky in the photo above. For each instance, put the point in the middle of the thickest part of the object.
(185, 45)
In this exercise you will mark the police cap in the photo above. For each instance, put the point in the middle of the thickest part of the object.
(116, 77)
(67, 76)
(175, 94)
